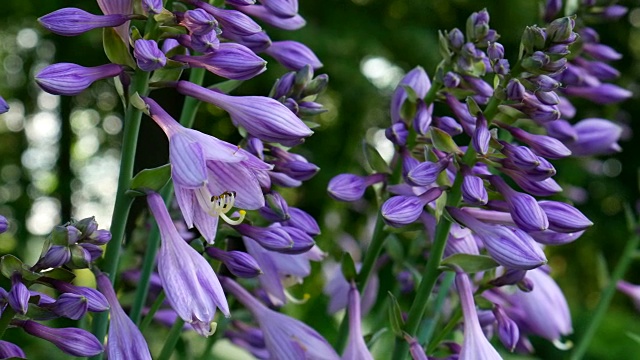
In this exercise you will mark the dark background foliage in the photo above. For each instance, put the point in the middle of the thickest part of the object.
(365, 45)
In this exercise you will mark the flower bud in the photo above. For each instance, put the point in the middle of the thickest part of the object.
(71, 79)
(495, 51)
(402, 210)
(293, 55)
(560, 30)
(72, 341)
(199, 22)
(533, 38)
(426, 173)
(95, 251)
(564, 217)
(501, 67)
(230, 60)
(349, 187)
(56, 256)
(95, 300)
(73, 21)
(303, 221)
(302, 242)
(152, 6)
(148, 55)
(548, 97)
(602, 94)
(481, 135)
(397, 133)
(4, 224)
(456, 38)
(239, 263)
(18, 296)
(448, 125)
(545, 146)
(550, 237)
(524, 208)
(72, 306)
(473, 190)
(99, 237)
(595, 137)
(509, 277)
(10, 351)
(272, 238)
(508, 331)
(276, 208)
(521, 156)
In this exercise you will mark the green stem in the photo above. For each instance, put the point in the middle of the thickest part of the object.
(123, 202)
(187, 118)
(5, 319)
(172, 340)
(622, 266)
(455, 319)
(446, 284)
(154, 308)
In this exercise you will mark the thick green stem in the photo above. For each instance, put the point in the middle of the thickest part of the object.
(623, 264)
(187, 118)
(172, 340)
(123, 201)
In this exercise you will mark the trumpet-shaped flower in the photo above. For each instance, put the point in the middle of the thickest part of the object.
(210, 176)
(191, 285)
(125, 340)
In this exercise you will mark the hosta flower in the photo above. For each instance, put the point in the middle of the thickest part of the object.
(73, 21)
(356, 348)
(285, 338)
(72, 341)
(210, 176)
(72, 79)
(125, 340)
(191, 285)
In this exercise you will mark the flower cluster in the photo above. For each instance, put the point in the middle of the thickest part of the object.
(464, 195)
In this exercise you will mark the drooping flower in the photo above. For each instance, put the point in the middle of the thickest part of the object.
(191, 285)
(285, 338)
(356, 348)
(210, 176)
(475, 345)
(125, 340)
(293, 55)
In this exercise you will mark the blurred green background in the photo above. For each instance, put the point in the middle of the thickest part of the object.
(59, 156)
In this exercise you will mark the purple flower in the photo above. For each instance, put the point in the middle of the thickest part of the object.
(191, 285)
(600, 94)
(56, 256)
(543, 311)
(481, 136)
(415, 349)
(283, 8)
(95, 300)
(508, 331)
(475, 345)
(148, 55)
(350, 187)
(356, 348)
(198, 22)
(631, 290)
(564, 218)
(473, 190)
(426, 173)
(524, 208)
(19, 295)
(303, 221)
(231, 21)
(402, 210)
(542, 145)
(71, 79)
(337, 289)
(73, 21)
(152, 6)
(262, 117)
(125, 340)
(418, 80)
(10, 351)
(512, 248)
(210, 176)
(595, 137)
(72, 306)
(285, 338)
(118, 7)
(239, 263)
(230, 60)
(263, 13)
(72, 341)
(550, 237)
(293, 55)
(208, 42)
(4, 107)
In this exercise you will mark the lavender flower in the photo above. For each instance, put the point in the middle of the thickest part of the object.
(564, 218)
(264, 118)
(402, 210)
(356, 348)
(230, 60)
(4, 107)
(508, 331)
(293, 55)
(198, 22)
(148, 55)
(73, 21)
(191, 285)
(239, 263)
(10, 351)
(349, 187)
(83, 344)
(71, 79)
(418, 80)
(125, 340)
(211, 176)
(19, 295)
(95, 300)
(263, 13)
(475, 345)
(283, 8)
(524, 208)
(152, 6)
(595, 137)
(72, 306)
(285, 338)
(118, 7)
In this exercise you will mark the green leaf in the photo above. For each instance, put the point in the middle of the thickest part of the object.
(443, 46)
(166, 75)
(395, 315)
(227, 86)
(473, 106)
(151, 179)
(37, 313)
(374, 159)
(9, 265)
(441, 202)
(59, 274)
(348, 267)
(443, 141)
(469, 263)
(116, 49)
(138, 103)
